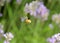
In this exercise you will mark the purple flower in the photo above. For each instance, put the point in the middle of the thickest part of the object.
(51, 26)
(1, 31)
(23, 19)
(18, 2)
(26, 9)
(51, 40)
(0, 14)
(1, 28)
(37, 9)
(54, 39)
(43, 12)
(8, 36)
(56, 18)
(6, 41)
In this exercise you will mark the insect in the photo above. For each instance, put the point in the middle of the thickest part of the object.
(28, 21)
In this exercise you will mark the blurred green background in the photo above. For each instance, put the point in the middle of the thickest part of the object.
(34, 32)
